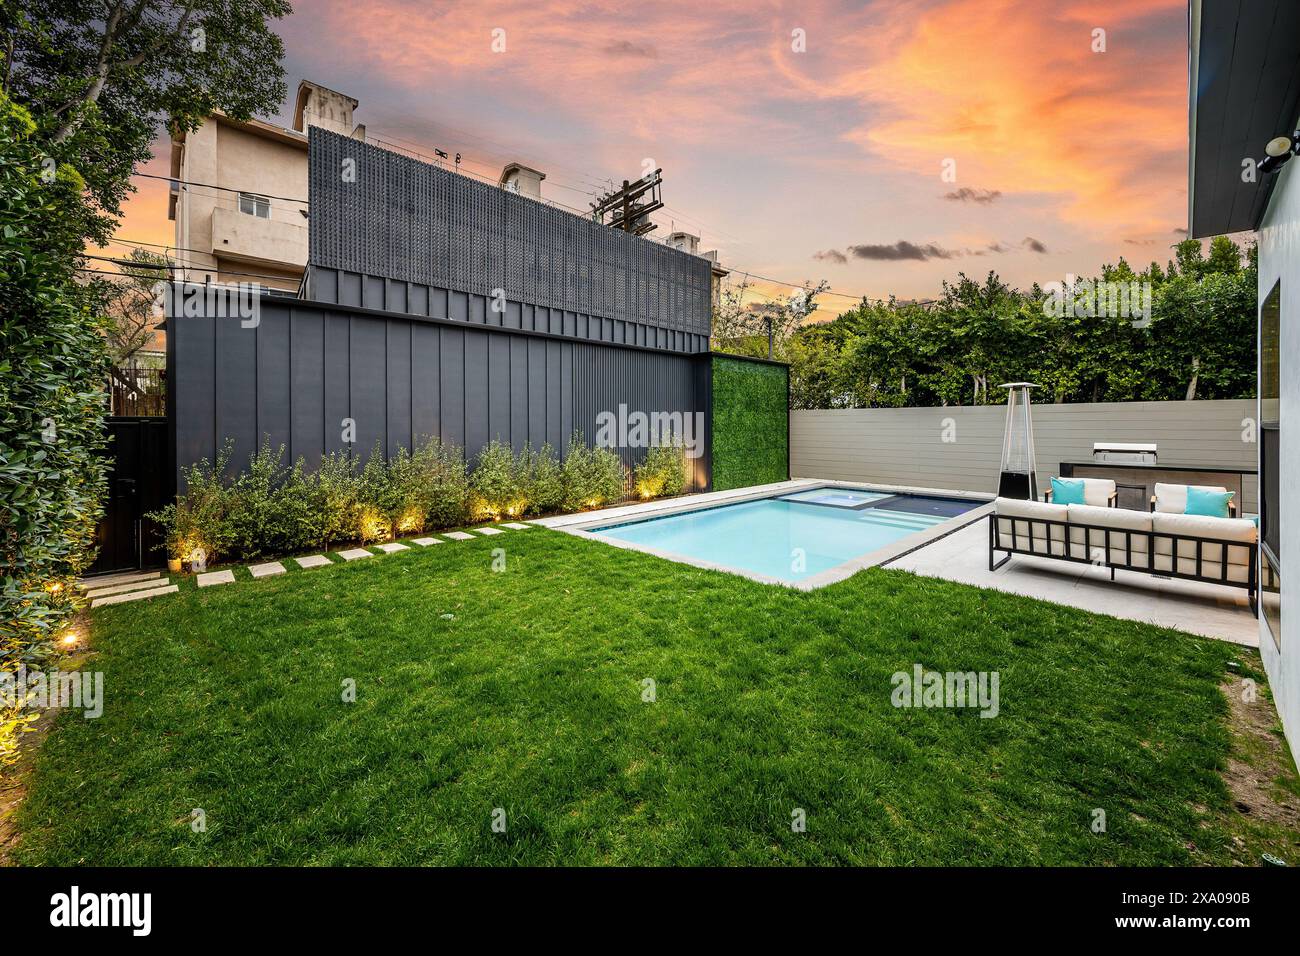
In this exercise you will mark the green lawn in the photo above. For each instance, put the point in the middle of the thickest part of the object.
(530, 699)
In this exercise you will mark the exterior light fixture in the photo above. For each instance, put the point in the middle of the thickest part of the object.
(70, 639)
(1018, 478)
(1278, 151)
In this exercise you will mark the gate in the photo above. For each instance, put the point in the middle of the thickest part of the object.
(140, 479)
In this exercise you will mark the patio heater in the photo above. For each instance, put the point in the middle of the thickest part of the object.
(1016, 478)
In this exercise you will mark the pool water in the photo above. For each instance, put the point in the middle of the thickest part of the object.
(791, 538)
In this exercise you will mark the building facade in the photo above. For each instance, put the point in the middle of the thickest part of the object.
(1245, 175)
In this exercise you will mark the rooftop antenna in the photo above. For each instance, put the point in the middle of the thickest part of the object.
(1017, 477)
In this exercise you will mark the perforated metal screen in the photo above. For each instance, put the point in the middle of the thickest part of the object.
(379, 213)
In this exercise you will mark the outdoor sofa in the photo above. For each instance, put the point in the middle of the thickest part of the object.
(1161, 542)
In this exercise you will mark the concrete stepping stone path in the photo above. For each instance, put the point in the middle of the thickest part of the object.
(112, 580)
(134, 595)
(137, 585)
(123, 588)
(216, 577)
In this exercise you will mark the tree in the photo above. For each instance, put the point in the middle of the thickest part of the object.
(1198, 343)
(130, 303)
(101, 77)
(742, 328)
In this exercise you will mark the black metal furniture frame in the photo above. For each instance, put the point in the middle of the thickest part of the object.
(1250, 584)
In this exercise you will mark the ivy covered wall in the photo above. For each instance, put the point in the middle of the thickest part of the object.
(751, 433)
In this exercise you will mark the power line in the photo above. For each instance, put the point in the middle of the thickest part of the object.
(228, 189)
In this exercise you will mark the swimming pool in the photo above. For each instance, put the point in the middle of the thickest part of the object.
(791, 537)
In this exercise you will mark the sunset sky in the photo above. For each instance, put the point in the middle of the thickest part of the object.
(823, 164)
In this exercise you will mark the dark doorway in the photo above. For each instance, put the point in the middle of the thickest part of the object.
(139, 480)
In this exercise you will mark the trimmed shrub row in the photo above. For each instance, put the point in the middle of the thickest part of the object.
(272, 508)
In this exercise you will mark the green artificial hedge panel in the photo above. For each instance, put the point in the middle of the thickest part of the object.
(751, 433)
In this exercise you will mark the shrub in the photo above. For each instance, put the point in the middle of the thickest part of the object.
(266, 509)
(408, 497)
(499, 483)
(442, 467)
(331, 494)
(592, 476)
(375, 500)
(662, 472)
(545, 480)
(53, 363)
(198, 519)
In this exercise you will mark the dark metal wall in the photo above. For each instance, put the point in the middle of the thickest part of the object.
(389, 231)
(398, 330)
(308, 366)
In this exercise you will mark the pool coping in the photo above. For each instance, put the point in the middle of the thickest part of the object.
(582, 525)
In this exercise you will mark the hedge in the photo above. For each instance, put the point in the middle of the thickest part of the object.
(751, 408)
(53, 364)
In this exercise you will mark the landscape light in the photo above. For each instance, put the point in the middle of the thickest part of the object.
(1278, 151)
(70, 639)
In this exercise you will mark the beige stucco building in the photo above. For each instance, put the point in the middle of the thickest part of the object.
(239, 191)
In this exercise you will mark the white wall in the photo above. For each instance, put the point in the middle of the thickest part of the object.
(906, 446)
(1279, 257)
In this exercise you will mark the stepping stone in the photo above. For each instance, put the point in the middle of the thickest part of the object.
(354, 553)
(122, 588)
(425, 542)
(266, 570)
(313, 561)
(460, 536)
(216, 577)
(133, 596)
(392, 547)
(518, 526)
(490, 531)
(111, 580)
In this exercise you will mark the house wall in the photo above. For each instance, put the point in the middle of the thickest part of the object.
(213, 238)
(392, 232)
(1279, 258)
(306, 367)
(906, 446)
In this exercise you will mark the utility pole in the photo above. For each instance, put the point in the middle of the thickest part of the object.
(630, 207)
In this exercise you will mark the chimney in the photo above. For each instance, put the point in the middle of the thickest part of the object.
(323, 107)
(685, 241)
(521, 179)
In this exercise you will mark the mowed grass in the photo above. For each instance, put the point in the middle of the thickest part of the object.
(530, 699)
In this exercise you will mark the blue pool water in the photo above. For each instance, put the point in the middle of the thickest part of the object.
(830, 525)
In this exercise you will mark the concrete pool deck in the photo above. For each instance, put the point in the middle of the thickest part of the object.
(957, 550)
(1205, 609)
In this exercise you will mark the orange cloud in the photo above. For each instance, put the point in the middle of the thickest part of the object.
(1014, 93)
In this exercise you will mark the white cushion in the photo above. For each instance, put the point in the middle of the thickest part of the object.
(1203, 526)
(1030, 536)
(1124, 548)
(1172, 499)
(1097, 491)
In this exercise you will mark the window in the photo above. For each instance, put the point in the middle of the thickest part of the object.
(255, 205)
(1270, 422)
